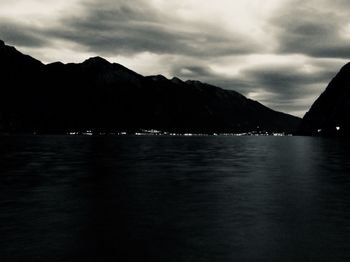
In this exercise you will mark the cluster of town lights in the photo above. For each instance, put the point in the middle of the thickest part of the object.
(153, 132)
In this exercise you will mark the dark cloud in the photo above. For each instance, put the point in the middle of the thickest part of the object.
(287, 88)
(111, 27)
(193, 71)
(208, 75)
(21, 35)
(288, 82)
(313, 28)
(284, 81)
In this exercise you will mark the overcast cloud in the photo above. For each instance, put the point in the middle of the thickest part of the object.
(279, 52)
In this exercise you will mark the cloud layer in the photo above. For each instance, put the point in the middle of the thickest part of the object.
(282, 53)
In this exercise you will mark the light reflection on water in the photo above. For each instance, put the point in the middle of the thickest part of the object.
(174, 199)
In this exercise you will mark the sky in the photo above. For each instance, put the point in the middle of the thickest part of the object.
(282, 53)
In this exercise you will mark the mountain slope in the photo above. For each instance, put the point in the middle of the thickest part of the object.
(329, 115)
(17, 92)
(99, 95)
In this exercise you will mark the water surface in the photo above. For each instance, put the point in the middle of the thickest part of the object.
(174, 199)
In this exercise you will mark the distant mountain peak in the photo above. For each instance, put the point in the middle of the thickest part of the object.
(158, 78)
(56, 64)
(176, 80)
(2, 43)
(97, 60)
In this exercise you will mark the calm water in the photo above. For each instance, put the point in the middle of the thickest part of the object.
(174, 199)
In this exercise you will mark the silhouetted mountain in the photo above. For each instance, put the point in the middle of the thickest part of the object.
(103, 96)
(329, 115)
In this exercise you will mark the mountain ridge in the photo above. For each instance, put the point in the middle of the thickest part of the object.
(100, 95)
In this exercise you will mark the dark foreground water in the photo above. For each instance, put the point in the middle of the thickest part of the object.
(174, 199)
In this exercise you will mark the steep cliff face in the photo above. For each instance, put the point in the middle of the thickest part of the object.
(107, 96)
(329, 115)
